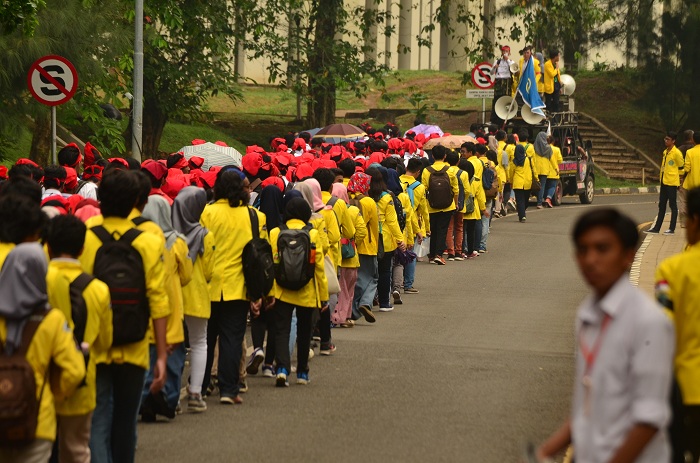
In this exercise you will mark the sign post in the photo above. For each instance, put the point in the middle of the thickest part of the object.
(481, 78)
(52, 81)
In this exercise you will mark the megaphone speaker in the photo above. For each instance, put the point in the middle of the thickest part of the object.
(530, 117)
(514, 68)
(568, 84)
(506, 107)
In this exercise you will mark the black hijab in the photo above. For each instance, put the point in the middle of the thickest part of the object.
(297, 208)
(271, 205)
(519, 158)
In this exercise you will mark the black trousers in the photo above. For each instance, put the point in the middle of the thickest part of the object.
(283, 324)
(470, 235)
(521, 199)
(227, 324)
(439, 223)
(385, 268)
(264, 323)
(552, 102)
(668, 194)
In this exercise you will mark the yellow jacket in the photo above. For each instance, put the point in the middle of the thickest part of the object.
(671, 165)
(52, 344)
(543, 166)
(360, 235)
(369, 246)
(315, 290)
(411, 228)
(340, 226)
(502, 177)
(521, 176)
(425, 179)
(463, 180)
(5, 249)
(420, 202)
(678, 290)
(692, 158)
(510, 149)
(178, 273)
(538, 73)
(476, 190)
(98, 328)
(195, 294)
(550, 72)
(555, 160)
(478, 167)
(388, 222)
(151, 250)
(148, 226)
(231, 226)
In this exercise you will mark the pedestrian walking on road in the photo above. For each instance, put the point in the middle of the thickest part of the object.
(620, 407)
(671, 166)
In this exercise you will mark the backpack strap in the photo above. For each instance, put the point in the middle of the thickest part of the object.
(430, 169)
(130, 236)
(140, 220)
(28, 332)
(444, 169)
(77, 287)
(102, 233)
(254, 184)
(331, 202)
(254, 224)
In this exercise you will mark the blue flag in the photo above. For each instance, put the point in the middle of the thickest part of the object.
(528, 88)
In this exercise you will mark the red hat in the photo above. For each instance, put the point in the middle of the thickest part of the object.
(254, 149)
(121, 161)
(91, 155)
(27, 162)
(276, 181)
(57, 201)
(181, 162)
(304, 170)
(172, 186)
(198, 141)
(481, 141)
(3, 172)
(208, 179)
(252, 162)
(505, 48)
(93, 171)
(276, 142)
(71, 178)
(378, 136)
(175, 173)
(299, 144)
(282, 148)
(196, 162)
(221, 143)
(156, 169)
(290, 174)
(77, 159)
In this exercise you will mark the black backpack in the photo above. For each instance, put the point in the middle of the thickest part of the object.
(120, 266)
(400, 213)
(79, 313)
(258, 267)
(19, 406)
(439, 188)
(460, 197)
(297, 257)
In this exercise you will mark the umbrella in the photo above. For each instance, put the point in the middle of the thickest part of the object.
(452, 142)
(346, 131)
(426, 129)
(214, 155)
(312, 132)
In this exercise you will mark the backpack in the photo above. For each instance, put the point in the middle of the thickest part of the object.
(460, 196)
(410, 191)
(439, 188)
(120, 266)
(489, 180)
(297, 257)
(400, 213)
(19, 406)
(469, 200)
(79, 313)
(258, 267)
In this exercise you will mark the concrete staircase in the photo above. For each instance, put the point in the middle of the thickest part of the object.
(613, 155)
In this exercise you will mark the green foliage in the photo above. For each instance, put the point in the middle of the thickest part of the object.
(20, 15)
(420, 105)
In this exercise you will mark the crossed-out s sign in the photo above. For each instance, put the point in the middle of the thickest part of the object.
(52, 80)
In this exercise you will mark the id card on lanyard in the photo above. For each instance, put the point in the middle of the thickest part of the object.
(590, 355)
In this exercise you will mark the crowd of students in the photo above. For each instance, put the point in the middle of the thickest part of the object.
(113, 270)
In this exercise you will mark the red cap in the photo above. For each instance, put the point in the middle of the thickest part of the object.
(208, 179)
(481, 141)
(25, 161)
(121, 161)
(304, 170)
(196, 162)
(198, 141)
(158, 170)
(91, 155)
(505, 48)
(3, 172)
(252, 162)
(93, 171)
(276, 181)
(71, 178)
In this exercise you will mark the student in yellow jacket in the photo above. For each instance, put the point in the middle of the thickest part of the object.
(678, 290)
(439, 218)
(65, 240)
(413, 187)
(553, 176)
(178, 273)
(390, 234)
(313, 296)
(24, 300)
(542, 164)
(455, 231)
(552, 82)
(475, 190)
(671, 165)
(521, 175)
(326, 180)
(692, 164)
(342, 315)
(187, 210)
(317, 220)
(123, 368)
(366, 285)
(229, 219)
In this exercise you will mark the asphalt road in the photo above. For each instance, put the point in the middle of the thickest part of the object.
(469, 370)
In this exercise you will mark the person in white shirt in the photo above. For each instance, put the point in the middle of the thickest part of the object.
(54, 181)
(624, 359)
(503, 78)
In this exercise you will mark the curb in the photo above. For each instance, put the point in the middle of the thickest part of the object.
(627, 191)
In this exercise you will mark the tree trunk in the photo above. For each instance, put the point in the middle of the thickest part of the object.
(321, 107)
(645, 34)
(41, 139)
(154, 120)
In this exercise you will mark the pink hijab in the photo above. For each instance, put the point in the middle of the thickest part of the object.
(339, 191)
(316, 190)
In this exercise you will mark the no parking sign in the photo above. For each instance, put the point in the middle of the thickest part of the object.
(481, 75)
(52, 80)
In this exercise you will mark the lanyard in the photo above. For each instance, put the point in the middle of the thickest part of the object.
(591, 354)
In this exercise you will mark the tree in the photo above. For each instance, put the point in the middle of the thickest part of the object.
(20, 14)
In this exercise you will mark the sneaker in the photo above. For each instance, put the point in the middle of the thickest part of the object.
(256, 359)
(196, 404)
(473, 255)
(386, 309)
(397, 297)
(450, 257)
(548, 203)
(669, 232)
(312, 354)
(482, 251)
(303, 379)
(439, 260)
(268, 371)
(459, 257)
(523, 219)
(410, 291)
(327, 349)
(282, 378)
(228, 400)
(348, 324)
(367, 313)
(651, 231)
(243, 387)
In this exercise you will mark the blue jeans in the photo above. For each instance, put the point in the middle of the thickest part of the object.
(551, 187)
(113, 434)
(540, 194)
(485, 225)
(366, 285)
(175, 367)
(409, 271)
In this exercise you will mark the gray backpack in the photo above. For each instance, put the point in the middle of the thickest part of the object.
(297, 257)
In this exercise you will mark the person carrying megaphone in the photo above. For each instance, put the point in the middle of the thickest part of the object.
(502, 75)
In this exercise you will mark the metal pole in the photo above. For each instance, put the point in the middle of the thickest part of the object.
(137, 117)
(53, 135)
(483, 110)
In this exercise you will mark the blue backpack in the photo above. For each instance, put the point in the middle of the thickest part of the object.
(410, 191)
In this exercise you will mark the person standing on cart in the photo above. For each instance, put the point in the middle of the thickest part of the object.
(503, 78)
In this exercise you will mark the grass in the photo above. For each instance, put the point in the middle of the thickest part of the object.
(176, 135)
(20, 149)
(604, 182)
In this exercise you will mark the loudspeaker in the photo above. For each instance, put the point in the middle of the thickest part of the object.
(506, 107)
(530, 117)
(568, 84)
